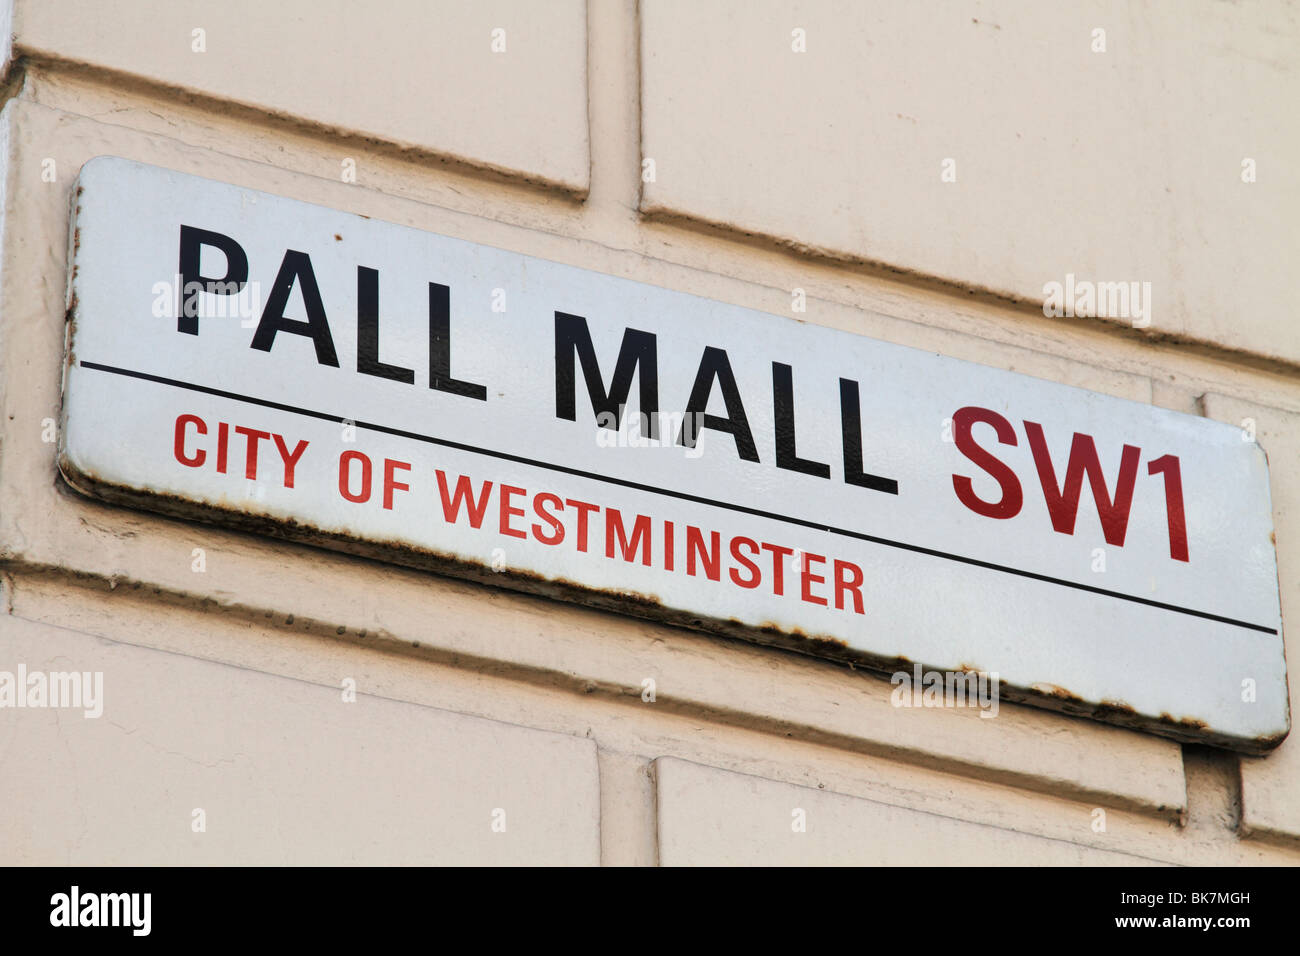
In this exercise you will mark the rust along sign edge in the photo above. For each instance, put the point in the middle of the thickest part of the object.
(284, 368)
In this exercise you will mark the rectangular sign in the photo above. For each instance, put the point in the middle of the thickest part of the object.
(277, 366)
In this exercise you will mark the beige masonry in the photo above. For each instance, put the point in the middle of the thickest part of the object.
(225, 687)
(1117, 164)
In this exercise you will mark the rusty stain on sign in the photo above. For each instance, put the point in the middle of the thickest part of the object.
(810, 491)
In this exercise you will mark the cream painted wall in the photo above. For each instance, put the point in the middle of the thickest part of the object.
(472, 699)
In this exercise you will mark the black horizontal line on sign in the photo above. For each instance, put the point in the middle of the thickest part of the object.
(682, 495)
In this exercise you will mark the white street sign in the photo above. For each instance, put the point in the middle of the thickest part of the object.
(269, 364)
